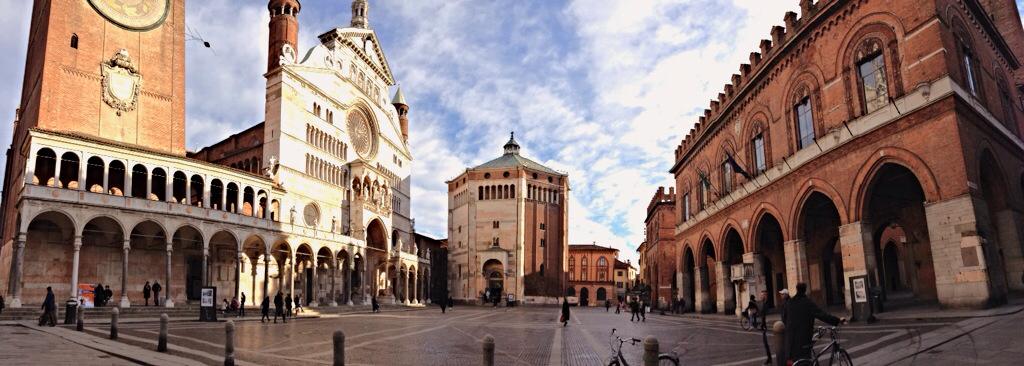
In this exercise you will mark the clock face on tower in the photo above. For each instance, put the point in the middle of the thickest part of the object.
(134, 14)
(362, 134)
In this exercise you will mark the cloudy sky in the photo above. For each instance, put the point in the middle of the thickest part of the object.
(601, 89)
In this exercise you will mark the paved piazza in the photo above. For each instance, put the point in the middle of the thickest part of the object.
(524, 336)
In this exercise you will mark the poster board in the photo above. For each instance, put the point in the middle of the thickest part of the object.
(208, 304)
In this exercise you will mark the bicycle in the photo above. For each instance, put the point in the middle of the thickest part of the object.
(747, 322)
(837, 355)
(666, 359)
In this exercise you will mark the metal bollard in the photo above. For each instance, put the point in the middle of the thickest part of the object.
(113, 323)
(339, 348)
(161, 342)
(229, 343)
(778, 342)
(80, 323)
(650, 351)
(488, 350)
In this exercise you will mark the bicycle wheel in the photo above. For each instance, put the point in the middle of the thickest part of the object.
(613, 362)
(745, 323)
(804, 362)
(668, 360)
(840, 358)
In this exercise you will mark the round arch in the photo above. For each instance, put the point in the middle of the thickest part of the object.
(890, 155)
(807, 189)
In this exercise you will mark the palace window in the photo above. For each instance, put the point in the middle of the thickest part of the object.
(572, 269)
(542, 227)
(602, 269)
(873, 81)
(702, 194)
(686, 206)
(970, 72)
(583, 269)
(804, 123)
(543, 243)
(727, 175)
(760, 163)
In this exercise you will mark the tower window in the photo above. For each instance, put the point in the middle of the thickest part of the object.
(74, 41)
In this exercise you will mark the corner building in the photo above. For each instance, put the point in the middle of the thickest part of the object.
(591, 280)
(508, 230)
(658, 253)
(313, 201)
(879, 139)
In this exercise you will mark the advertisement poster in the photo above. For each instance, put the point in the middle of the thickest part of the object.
(207, 298)
(86, 296)
(860, 291)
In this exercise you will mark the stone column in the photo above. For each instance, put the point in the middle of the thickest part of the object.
(124, 275)
(169, 186)
(316, 283)
(73, 295)
(17, 269)
(291, 275)
(168, 302)
(128, 173)
(238, 275)
(266, 275)
(702, 295)
(106, 178)
(82, 168)
(206, 192)
(188, 190)
(334, 274)
(858, 255)
(796, 264)
(962, 277)
(348, 285)
(726, 299)
(405, 287)
(206, 267)
(149, 183)
(415, 293)
(56, 171)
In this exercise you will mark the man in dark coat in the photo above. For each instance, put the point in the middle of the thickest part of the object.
(241, 307)
(374, 307)
(278, 305)
(565, 312)
(145, 293)
(265, 309)
(156, 293)
(643, 311)
(49, 309)
(800, 315)
(287, 305)
(634, 310)
(107, 294)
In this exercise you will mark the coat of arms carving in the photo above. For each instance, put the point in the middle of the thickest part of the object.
(121, 83)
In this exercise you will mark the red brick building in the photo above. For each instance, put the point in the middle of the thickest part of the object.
(658, 257)
(865, 138)
(591, 279)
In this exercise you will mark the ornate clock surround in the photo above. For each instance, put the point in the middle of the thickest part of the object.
(136, 15)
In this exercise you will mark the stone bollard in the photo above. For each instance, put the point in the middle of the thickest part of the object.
(113, 322)
(650, 351)
(229, 343)
(339, 348)
(488, 350)
(161, 342)
(80, 323)
(778, 342)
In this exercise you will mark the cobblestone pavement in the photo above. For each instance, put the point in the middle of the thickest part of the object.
(23, 346)
(524, 336)
(998, 343)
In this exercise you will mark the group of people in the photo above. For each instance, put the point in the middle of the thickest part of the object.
(637, 310)
(236, 306)
(147, 289)
(798, 315)
(101, 295)
(284, 304)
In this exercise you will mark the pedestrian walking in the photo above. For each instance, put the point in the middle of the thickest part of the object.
(618, 306)
(752, 311)
(634, 310)
(2, 304)
(643, 311)
(97, 294)
(265, 309)
(278, 308)
(145, 292)
(451, 303)
(374, 306)
(565, 312)
(298, 304)
(607, 305)
(241, 306)
(801, 312)
(443, 305)
(288, 305)
(49, 307)
(156, 293)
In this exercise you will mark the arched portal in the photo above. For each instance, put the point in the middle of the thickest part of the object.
(708, 278)
(602, 295)
(494, 272)
(376, 256)
(224, 265)
(146, 260)
(584, 296)
(895, 209)
(304, 273)
(188, 264)
(689, 280)
(94, 168)
(280, 269)
(996, 225)
(49, 242)
(768, 241)
(819, 230)
(324, 282)
(734, 283)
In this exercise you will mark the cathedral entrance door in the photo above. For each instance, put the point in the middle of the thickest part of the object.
(309, 285)
(193, 277)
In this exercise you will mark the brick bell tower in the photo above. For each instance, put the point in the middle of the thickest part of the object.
(284, 30)
(116, 72)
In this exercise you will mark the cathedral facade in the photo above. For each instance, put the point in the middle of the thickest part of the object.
(508, 230)
(313, 201)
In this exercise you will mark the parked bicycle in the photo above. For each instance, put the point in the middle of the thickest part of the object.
(665, 359)
(837, 355)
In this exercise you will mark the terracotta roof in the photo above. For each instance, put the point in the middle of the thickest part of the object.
(589, 247)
